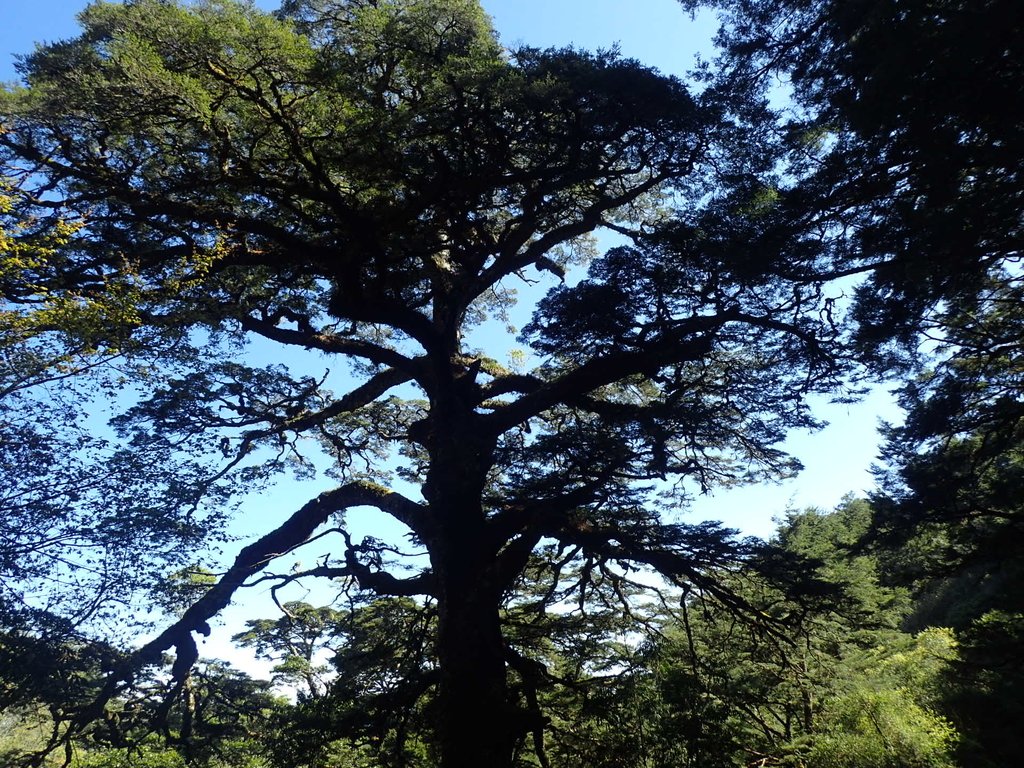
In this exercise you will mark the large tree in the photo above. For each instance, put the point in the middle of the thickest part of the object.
(950, 515)
(369, 182)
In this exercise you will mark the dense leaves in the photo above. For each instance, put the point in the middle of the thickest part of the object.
(360, 187)
(906, 112)
(906, 143)
(369, 180)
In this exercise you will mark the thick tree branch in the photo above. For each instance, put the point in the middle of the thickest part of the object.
(361, 396)
(252, 559)
(328, 342)
(690, 341)
(378, 582)
(516, 531)
(519, 252)
(505, 385)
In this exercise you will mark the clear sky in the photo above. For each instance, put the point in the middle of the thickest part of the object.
(658, 33)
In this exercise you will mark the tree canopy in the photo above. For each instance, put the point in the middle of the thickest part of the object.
(366, 192)
(369, 181)
(905, 111)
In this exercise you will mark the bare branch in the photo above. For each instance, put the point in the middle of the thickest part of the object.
(328, 342)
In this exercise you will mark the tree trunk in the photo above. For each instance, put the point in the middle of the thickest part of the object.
(476, 725)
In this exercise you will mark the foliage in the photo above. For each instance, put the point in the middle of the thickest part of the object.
(377, 705)
(215, 718)
(905, 142)
(880, 729)
(841, 685)
(295, 640)
(85, 528)
(140, 757)
(904, 113)
(367, 181)
(949, 502)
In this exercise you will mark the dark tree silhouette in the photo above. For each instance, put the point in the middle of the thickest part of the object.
(368, 182)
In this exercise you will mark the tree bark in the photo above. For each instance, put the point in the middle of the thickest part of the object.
(476, 723)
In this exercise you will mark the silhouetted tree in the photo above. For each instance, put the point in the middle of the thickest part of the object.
(367, 182)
